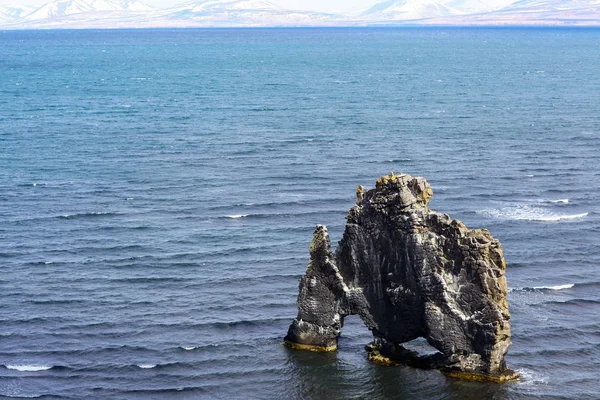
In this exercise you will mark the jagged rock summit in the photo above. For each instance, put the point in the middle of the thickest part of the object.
(408, 272)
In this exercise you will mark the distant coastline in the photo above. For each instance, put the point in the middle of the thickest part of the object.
(110, 14)
(308, 27)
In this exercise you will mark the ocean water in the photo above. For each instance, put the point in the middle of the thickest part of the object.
(159, 190)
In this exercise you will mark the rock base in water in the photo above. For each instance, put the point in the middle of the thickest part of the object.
(408, 272)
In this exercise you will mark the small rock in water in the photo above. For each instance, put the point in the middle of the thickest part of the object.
(408, 272)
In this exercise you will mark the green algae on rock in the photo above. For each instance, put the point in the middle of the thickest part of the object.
(408, 272)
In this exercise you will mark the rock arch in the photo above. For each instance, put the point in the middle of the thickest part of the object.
(408, 272)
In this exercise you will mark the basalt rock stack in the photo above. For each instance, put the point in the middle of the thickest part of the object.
(408, 272)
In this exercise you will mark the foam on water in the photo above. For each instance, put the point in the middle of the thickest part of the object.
(87, 214)
(558, 287)
(29, 368)
(527, 212)
(530, 377)
(542, 288)
(560, 201)
(146, 366)
(237, 216)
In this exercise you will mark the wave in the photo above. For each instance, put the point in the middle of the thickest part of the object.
(396, 160)
(271, 278)
(300, 200)
(557, 287)
(87, 214)
(264, 322)
(530, 377)
(56, 301)
(65, 216)
(149, 279)
(589, 284)
(544, 288)
(29, 368)
(577, 302)
(147, 366)
(529, 213)
(284, 214)
(190, 348)
(559, 201)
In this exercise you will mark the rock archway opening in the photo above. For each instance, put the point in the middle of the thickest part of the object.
(354, 330)
(421, 347)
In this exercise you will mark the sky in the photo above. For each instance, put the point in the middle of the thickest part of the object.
(315, 5)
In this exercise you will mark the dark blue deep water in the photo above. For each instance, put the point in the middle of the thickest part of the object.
(159, 189)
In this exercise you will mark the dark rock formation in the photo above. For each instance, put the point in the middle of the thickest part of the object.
(408, 272)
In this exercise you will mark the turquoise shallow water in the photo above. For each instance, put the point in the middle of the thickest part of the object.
(159, 189)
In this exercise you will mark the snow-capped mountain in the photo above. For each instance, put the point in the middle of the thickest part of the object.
(215, 6)
(534, 12)
(552, 11)
(477, 6)
(390, 10)
(63, 8)
(551, 5)
(13, 13)
(243, 13)
(399, 10)
(262, 13)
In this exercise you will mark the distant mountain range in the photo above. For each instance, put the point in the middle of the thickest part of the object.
(533, 12)
(390, 10)
(13, 13)
(261, 13)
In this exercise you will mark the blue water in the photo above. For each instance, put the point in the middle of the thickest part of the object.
(159, 189)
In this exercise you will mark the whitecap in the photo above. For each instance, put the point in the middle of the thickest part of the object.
(88, 214)
(540, 288)
(559, 201)
(237, 216)
(557, 287)
(189, 348)
(529, 213)
(29, 368)
(563, 217)
(399, 160)
(147, 366)
(529, 377)
(48, 262)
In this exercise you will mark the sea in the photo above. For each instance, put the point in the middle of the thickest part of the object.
(159, 190)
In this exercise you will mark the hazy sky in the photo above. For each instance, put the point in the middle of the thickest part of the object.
(318, 5)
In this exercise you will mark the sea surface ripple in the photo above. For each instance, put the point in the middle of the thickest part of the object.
(159, 189)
